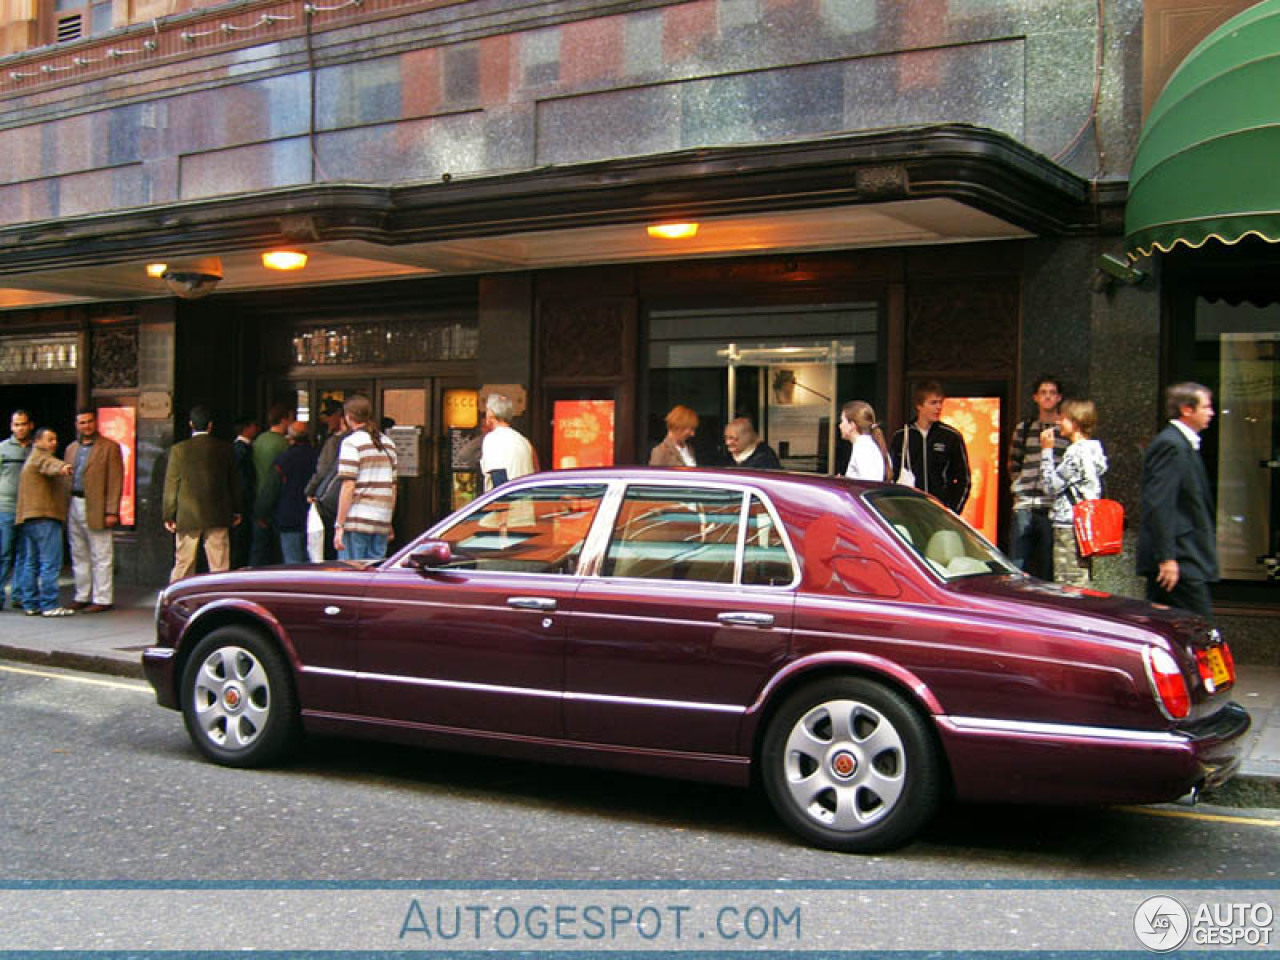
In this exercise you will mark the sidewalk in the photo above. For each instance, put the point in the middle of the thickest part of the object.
(113, 643)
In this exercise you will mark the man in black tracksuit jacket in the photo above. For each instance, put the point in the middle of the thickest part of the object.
(935, 452)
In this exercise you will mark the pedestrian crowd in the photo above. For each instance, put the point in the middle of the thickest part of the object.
(274, 495)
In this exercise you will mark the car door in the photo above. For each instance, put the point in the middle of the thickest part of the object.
(690, 614)
(479, 644)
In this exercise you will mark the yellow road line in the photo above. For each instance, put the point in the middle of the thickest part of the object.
(136, 687)
(1214, 817)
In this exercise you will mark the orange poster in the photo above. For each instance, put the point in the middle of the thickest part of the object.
(583, 434)
(121, 425)
(978, 420)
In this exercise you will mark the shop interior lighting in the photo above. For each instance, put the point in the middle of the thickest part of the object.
(156, 270)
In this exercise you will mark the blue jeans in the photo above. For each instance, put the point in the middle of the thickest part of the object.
(1031, 543)
(363, 546)
(293, 546)
(12, 556)
(42, 541)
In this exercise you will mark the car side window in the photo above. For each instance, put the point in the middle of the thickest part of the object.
(535, 530)
(676, 533)
(765, 561)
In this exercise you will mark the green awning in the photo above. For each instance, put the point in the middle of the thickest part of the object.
(1208, 160)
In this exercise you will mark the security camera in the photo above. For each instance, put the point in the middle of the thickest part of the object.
(193, 280)
(1118, 269)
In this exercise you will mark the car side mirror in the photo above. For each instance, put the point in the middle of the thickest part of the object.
(430, 555)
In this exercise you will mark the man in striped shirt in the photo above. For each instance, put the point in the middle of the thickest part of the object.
(367, 471)
(1031, 533)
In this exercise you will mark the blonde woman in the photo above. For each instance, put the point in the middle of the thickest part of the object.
(1078, 477)
(674, 450)
(869, 459)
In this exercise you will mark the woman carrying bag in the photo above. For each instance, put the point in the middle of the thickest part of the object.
(1078, 477)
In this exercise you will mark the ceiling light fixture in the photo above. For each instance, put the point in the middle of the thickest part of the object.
(284, 259)
(156, 270)
(673, 231)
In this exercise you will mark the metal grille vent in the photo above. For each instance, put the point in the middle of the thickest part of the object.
(70, 28)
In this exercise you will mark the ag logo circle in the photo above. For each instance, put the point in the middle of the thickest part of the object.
(1161, 924)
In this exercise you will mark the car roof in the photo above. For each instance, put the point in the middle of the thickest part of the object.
(763, 478)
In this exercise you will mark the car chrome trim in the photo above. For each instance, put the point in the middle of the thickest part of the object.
(524, 691)
(1029, 728)
(531, 603)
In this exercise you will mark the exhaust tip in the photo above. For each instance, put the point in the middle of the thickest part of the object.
(1190, 798)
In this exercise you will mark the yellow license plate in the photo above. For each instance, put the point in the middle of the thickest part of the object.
(1217, 666)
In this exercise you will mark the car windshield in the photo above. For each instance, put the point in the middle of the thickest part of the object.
(947, 545)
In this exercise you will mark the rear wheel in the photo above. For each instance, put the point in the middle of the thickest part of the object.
(238, 700)
(850, 765)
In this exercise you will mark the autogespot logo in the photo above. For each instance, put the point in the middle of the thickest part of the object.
(1161, 923)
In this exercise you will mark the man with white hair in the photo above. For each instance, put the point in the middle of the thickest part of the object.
(505, 454)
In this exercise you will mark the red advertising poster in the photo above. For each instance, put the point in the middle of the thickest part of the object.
(978, 420)
(583, 434)
(121, 425)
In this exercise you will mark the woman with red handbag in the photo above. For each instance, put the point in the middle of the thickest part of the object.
(1078, 477)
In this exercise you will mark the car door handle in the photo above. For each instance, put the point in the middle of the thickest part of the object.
(743, 619)
(531, 603)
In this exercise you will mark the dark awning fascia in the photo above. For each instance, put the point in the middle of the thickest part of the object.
(982, 168)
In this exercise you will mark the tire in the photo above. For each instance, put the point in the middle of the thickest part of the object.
(850, 765)
(238, 700)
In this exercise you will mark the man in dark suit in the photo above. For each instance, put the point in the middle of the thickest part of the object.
(247, 430)
(1177, 549)
(201, 493)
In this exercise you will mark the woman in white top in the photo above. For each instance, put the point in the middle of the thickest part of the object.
(870, 457)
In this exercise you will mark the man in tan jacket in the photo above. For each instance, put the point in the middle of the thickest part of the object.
(42, 510)
(97, 479)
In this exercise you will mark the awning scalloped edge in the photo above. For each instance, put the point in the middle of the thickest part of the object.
(1147, 251)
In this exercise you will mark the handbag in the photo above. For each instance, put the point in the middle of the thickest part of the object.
(1099, 526)
(328, 493)
(906, 476)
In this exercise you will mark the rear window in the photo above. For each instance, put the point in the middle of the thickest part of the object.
(947, 545)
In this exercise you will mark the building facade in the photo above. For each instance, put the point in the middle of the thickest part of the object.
(900, 191)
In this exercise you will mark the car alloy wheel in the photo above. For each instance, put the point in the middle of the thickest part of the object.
(238, 699)
(850, 765)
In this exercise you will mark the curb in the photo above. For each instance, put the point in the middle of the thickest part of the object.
(74, 661)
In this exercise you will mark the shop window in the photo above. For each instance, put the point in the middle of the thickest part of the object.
(1237, 355)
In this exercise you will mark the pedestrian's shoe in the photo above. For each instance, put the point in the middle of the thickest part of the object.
(77, 605)
(32, 613)
(58, 612)
(98, 608)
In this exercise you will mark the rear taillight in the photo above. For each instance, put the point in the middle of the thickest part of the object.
(1168, 683)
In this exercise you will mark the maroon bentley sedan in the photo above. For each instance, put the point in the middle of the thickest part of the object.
(855, 648)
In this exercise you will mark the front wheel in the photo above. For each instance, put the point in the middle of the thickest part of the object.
(849, 765)
(238, 700)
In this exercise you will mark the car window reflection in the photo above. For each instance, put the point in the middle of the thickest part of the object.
(676, 533)
(538, 530)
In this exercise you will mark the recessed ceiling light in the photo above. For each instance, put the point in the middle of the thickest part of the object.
(284, 259)
(673, 231)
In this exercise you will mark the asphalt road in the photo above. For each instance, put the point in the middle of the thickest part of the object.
(100, 784)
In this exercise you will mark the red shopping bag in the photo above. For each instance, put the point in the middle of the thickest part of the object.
(1099, 527)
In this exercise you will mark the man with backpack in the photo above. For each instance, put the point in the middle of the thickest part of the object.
(1031, 532)
(323, 489)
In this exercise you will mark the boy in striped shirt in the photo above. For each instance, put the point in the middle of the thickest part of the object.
(367, 471)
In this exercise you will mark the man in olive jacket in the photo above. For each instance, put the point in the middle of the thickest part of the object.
(201, 497)
(97, 480)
